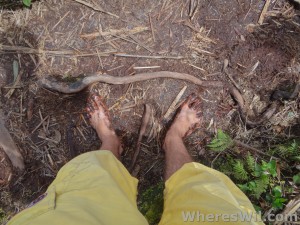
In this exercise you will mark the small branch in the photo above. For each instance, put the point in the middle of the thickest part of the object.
(241, 144)
(172, 107)
(263, 12)
(145, 122)
(98, 9)
(149, 56)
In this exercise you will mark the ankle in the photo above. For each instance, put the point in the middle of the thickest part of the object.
(114, 146)
(171, 137)
(174, 132)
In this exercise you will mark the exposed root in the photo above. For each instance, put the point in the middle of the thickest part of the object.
(69, 88)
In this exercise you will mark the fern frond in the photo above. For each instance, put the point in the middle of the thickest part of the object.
(290, 149)
(261, 186)
(221, 142)
(239, 171)
(250, 163)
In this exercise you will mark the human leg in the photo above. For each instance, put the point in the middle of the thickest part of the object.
(93, 188)
(193, 192)
(185, 122)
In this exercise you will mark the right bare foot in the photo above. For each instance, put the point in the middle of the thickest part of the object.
(99, 119)
(188, 118)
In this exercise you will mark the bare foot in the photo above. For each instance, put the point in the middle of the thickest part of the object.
(188, 118)
(100, 121)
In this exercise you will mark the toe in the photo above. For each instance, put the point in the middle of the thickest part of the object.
(99, 102)
(89, 107)
(97, 99)
(199, 114)
(196, 104)
(189, 100)
(94, 104)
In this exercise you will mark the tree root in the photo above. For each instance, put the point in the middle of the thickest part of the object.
(69, 88)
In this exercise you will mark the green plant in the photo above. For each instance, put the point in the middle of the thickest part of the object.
(151, 203)
(240, 172)
(289, 150)
(261, 180)
(296, 178)
(257, 178)
(221, 142)
(27, 3)
(3, 217)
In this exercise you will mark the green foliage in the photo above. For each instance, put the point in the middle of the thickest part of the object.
(276, 198)
(257, 178)
(221, 142)
(27, 3)
(151, 204)
(240, 172)
(250, 163)
(289, 150)
(296, 178)
(3, 217)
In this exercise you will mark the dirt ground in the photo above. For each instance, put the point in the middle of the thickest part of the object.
(69, 39)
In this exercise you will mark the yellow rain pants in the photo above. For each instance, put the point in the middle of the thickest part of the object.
(96, 189)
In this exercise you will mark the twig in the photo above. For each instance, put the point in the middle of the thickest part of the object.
(27, 50)
(113, 32)
(149, 56)
(145, 67)
(151, 26)
(98, 9)
(213, 161)
(139, 43)
(145, 121)
(225, 65)
(241, 144)
(263, 12)
(59, 21)
(172, 107)
(42, 121)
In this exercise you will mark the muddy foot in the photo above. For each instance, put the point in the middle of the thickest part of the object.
(188, 118)
(100, 121)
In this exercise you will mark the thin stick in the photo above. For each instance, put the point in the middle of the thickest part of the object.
(151, 26)
(112, 32)
(172, 107)
(263, 12)
(59, 21)
(98, 9)
(145, 121)
(241, 144)
(27, 50)
(145, 67)
(42, 121)
(149, 56)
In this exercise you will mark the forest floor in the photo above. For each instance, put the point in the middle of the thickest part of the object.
(72, 38)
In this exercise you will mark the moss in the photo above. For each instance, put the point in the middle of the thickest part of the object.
(151, 203)
(3, 217)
